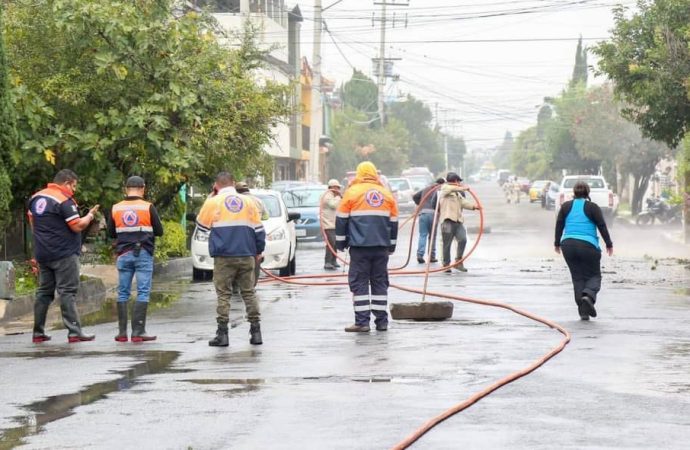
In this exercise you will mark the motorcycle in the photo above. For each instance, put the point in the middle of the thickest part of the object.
(659, 210)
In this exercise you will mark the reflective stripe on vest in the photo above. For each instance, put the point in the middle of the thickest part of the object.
(132, 216)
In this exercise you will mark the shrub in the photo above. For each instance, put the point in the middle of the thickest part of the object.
(173, 243)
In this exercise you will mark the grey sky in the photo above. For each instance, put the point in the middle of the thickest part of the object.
(482, 88)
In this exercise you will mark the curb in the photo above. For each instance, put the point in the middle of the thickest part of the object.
(173, 268)
(91, 295)
(92, 292)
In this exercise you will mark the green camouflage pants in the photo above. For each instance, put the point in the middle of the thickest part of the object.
(227, 269)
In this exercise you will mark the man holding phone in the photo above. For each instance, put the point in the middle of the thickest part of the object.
(57, 226)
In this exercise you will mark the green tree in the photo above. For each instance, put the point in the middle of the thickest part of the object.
(120, 87)
(361, 94)
(648, 58)
(530, 156)
(426, 144)
(580, 69)
(503, 153)
(8, 133)
(602, 133)
(354, 141)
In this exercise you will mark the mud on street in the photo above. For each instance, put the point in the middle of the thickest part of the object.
(622, 382)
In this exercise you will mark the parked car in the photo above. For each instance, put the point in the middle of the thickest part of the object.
(552, 195)
(284, 185)
(420, 177)
(350, 176)
(536, 191)
(599, 192)
(281, 242)
(402, 189)
(305, 201)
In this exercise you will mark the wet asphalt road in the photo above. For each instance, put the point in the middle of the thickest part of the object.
(623, 381)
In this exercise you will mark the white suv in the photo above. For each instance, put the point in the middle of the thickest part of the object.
(281, 243)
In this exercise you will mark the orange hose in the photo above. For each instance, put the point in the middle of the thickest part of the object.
(431, 423)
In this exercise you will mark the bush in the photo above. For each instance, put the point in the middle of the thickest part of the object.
(26, 277)
(173, 243)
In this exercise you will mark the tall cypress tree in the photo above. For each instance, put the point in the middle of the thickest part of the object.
(8, 130)
(580, 69)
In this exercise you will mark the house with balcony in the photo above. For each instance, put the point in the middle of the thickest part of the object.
(279, 31)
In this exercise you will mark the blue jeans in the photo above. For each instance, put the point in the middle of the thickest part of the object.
(128, 266)
(426, 221)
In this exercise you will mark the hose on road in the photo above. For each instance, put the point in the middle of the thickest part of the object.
(315, 280)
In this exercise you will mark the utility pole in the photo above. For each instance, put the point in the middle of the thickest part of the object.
(316, 99)
(381, 62)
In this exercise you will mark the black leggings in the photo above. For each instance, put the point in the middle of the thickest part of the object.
(583, 260)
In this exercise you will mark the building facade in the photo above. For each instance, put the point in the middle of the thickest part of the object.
(278, 31)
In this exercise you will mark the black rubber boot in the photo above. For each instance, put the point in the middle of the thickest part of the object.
(255, 332)
(221, 339)
(139, 323)
(122, 321)
(40, 314)
(70, 318)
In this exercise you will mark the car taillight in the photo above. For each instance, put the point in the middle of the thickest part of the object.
(610, 199)
(562, 200)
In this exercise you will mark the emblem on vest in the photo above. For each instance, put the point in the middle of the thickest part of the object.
(130, 218)
(374, 198)
(234, 204)
(41, 204)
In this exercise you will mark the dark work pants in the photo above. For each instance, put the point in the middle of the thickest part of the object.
(583, 260)
(369, 269)
(330, 257)
(453, 230)
(61, 276)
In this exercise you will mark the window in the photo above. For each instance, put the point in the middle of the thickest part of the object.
(594, 183)
(272, 205)
(400, 184)
(219, 6)
(302, 198)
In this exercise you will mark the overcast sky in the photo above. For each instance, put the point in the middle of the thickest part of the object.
(483, 86)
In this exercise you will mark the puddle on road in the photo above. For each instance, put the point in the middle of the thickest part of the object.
(61, 406)
(108, 311)
(249, 381)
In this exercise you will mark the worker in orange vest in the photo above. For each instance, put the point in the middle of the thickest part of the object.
(57, 226)
(134, 224)
(367, 223)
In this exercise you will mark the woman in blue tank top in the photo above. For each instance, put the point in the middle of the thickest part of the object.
(576, 237)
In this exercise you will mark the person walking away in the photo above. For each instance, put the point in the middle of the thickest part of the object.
(236, 243)
(367, 223)
(329, 204)
(452, 220)
(576, 238)
(242, 188)
(545, 193)
(426, 220)
(134, 224)
(56, 225)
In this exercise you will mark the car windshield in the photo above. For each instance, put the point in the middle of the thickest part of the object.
(538, 184)
(594, 183)
(418, 182)
(302, 198)
(272, 205)
(399, 184)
